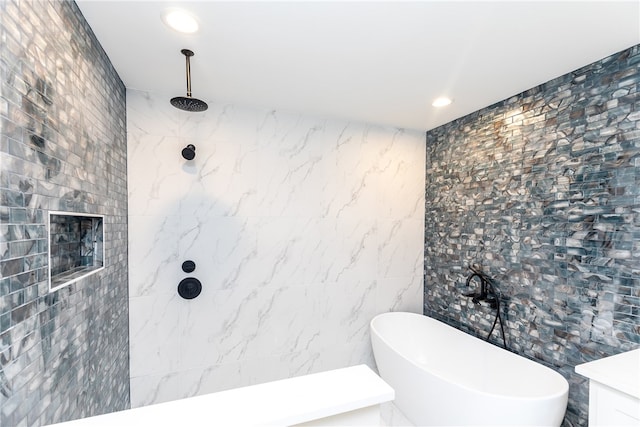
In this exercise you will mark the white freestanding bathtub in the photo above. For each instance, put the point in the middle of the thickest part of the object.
(443, 376)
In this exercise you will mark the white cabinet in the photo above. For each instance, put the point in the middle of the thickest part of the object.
(609, 407)
(614, 389)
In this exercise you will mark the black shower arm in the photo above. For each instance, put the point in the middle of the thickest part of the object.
(188, 75)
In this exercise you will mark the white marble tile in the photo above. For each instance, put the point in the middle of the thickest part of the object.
(293, 251)
(400, 294)
(353, 194)
(353, 189)
(241, 324)
(291, 135)
(210, 379)
(293, 188)
(223, 248)
(153, 254)
(290, 320)
(302, 230)
(348, 354)
(157, 174)
(264, 369)
(295, 166)
(222, 327)
(354, 253)
(222, 180)
(348, 307)
(391, 416)
(221, 122)
(151, 389)
(151, 114)
(401, 247)
(401, 183)
(154, 334)
(303, 362)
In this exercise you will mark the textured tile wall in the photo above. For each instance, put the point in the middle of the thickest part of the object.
(73, 243)
(64, 354)
(543, 191)
(302, 230)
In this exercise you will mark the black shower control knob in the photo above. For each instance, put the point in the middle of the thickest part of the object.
(189, 288)
(188, 266)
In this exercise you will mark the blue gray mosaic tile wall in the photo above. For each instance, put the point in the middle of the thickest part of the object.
(542, 190)
(63, 355)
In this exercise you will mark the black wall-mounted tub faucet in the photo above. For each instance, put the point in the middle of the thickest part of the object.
(489, 294)
(486, 291)
(476, 297)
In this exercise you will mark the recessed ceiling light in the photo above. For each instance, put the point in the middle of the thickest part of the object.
(441, 102)
(180, 20)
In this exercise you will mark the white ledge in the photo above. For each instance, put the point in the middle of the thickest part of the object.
(282, 403)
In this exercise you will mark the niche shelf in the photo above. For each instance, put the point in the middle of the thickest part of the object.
(76, 247)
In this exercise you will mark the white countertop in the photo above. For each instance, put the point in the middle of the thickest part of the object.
(285, 402)
(620, 372)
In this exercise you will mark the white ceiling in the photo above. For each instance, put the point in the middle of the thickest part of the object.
(377, 62)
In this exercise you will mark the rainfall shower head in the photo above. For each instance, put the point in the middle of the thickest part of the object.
(187, 103)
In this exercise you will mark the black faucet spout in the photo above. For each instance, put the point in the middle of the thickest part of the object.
(486, 292)
(476, 297)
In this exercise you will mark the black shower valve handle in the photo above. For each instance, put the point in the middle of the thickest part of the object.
(188, 266)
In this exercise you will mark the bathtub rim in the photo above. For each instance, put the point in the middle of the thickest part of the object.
(564, 392)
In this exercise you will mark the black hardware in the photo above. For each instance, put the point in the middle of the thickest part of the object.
(188, 266)
(486, 292)
(189, 288)
(489, 294)
(188, 103)
(189, 152)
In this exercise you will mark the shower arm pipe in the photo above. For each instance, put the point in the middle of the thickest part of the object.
(187, 54)
(188, 103)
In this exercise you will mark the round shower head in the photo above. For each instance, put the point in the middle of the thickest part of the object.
(188, 103)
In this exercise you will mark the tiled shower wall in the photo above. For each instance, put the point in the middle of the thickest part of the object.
(64, 354)
(543, 191)
(302, 229)
(74, 244)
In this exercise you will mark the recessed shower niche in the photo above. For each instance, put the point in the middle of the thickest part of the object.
(76, 247)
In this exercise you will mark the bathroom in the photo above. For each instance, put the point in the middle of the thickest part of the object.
(301, 227)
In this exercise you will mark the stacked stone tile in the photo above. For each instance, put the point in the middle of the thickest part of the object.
(542, 190)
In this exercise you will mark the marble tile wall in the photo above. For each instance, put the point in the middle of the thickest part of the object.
(64, 354)
(302, 229)
(543, 191)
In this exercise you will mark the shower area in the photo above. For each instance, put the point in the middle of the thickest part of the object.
(300, 230)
